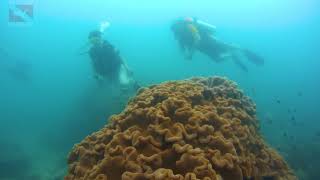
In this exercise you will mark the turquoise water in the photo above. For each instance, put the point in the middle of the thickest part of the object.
(50, 101)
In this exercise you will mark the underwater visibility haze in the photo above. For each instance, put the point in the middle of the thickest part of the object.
(146, 87)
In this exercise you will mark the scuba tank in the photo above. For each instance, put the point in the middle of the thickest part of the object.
(206, 26)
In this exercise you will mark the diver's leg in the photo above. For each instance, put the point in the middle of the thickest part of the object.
(189, 53)
(253, 57)
(250, 55)
(207, 47)
(223, 56)
(239, 63)
(217, 50)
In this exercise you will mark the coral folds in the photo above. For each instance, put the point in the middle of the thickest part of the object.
(201, 128)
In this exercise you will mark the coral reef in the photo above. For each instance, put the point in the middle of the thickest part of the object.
(201, 128)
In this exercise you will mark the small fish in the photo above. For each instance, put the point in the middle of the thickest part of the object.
(294, 110)
(285, 134)
(278, 101)
(300, 94)
(293, 120)
(318, 133)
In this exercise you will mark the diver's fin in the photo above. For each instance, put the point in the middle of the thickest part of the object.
(253, 57)
(238, 62)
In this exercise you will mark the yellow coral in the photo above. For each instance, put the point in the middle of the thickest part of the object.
(202, 128)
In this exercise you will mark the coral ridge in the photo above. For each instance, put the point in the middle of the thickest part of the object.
(200, 128)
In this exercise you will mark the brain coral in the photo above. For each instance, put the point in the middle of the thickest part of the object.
(201, 128)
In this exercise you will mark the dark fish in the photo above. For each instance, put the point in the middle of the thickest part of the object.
(294, 110)
(285, 134)
(318, 133)
(278, 101)
(300, 94)
(293, 118)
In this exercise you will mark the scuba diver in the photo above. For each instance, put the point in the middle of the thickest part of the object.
(15, 67)
(193, 34)
(107, 62)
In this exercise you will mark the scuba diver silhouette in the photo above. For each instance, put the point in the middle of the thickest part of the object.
(193, 34)
(107, 62)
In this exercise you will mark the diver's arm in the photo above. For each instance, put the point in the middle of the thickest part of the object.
(95, 75)
(83, 50)
(93, 57)
(124, 63)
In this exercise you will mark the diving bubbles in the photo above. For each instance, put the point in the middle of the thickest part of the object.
(103, 26)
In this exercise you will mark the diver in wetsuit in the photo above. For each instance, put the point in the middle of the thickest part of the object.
(193, 34)
(107, 62)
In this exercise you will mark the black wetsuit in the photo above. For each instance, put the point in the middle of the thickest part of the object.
(211, 47)
(106, 60)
